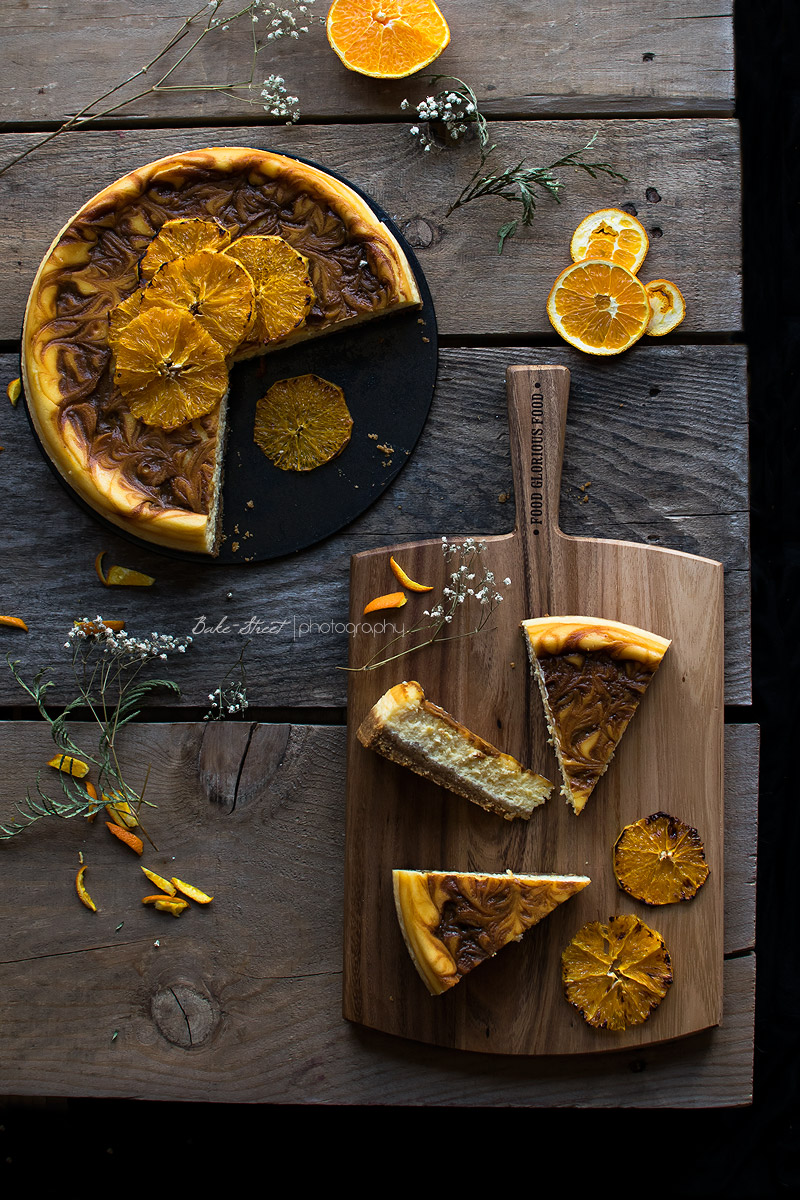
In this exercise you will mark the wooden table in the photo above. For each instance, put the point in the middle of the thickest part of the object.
(242, 1002)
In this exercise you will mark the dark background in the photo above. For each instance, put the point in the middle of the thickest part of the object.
(751, 1151)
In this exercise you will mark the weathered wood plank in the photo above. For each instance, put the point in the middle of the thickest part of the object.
(662, 439)
(252, 984)
(683, 181)
(568, 57)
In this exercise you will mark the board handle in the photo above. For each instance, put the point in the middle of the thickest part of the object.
(537, 418)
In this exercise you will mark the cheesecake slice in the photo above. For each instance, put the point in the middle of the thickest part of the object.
(454, 920)
(408, 729)
(592, 674)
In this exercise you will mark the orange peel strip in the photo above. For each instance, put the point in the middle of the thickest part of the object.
(84, 896)
(98, 566)
(92, 790)
(121, 813)
(165, 884)
(392, 600)
(130, 839)
(192, 892)
(14, 391)
(69, 765)
(406, 580)
(14, 622)
(90, 627)
(170, 904)
(125, 577)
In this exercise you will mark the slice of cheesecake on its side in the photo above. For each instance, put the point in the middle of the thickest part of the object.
(454, 920)
(592, 674)
(408, 729)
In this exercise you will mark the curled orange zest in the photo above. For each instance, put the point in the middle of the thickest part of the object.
(393, 600)
(170, 904)
(90, 627)
(193, 893)
(69, 765)
(406, 580)
(82, 892)
(92, 790)
(121, 813)
(159, 881)
(125, 577)
(98, 566)
(14, 391)
(15, 622)
(125, 835)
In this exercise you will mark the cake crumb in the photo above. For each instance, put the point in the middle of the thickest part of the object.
(425, 339)
(512, 664)
(503, 498)
(235, 546)
(249, 503)
(385, 448)
(373, 436)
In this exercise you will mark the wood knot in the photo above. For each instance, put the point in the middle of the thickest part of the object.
(419, 232)
(183, 1015)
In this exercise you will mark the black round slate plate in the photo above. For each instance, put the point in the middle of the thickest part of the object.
(387, 371)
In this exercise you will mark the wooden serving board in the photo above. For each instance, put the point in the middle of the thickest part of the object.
(670, 759)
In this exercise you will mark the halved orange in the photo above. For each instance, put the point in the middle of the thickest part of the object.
(616, 972)
(387, 39)
(660, 860)
(611, 234)
(668, 308)
(599, 307)
(213, 288)
(169, 369)
(302, 423)
(184, 235)
(283, 288)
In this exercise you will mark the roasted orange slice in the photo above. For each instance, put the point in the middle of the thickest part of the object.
(184, 235)
(169, 369)
(387, 39)
(302, 423)
(121, 315)
(599, 307)
(213, 288)
(613, 235)
(667, 307)
(660, 860)
(283, 289)
(616, 973)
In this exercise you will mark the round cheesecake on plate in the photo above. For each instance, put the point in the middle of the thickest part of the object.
(162, 484)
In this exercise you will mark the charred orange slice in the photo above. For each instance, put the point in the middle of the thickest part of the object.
(616, 973)
(599, 307)
(283, 288)
(302, 423)
(184, 235)
(387, 39)
(660, 860)
(668, 308)
(169, 369)
(213, 288)
(611, 234)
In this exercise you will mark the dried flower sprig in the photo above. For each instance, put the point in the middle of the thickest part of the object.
(107, 665)
(470, 582)
(230, 698)
(263, 22)
(455, 110)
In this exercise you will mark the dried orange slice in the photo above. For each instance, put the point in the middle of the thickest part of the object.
(184, 235)
(660, 860)
(667, 305)
(302, 423)
(214, 288)
(616, 973)
(599, 307)
(613, 235)
(387, 39)
(284, 292)
(169, 369)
